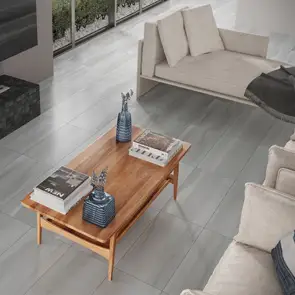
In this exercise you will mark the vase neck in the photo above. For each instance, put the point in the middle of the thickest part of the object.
(125, 107)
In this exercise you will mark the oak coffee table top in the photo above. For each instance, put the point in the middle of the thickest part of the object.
(134, 184)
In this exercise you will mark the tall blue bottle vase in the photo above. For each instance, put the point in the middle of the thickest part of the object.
(124, 125)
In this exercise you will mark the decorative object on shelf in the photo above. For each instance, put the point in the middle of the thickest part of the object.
(99, 206)
(124, 122)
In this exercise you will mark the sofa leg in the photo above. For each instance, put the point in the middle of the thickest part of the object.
(144, 86)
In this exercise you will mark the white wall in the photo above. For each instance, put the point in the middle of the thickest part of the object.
(266, 16)
(35, 64)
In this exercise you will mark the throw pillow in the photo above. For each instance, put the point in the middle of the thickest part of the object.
(286, 181)
(266, 214)
(283, 256)
(173, 37)
(201, 29)
(278, 157)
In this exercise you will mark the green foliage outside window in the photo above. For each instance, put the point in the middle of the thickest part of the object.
(87, 12)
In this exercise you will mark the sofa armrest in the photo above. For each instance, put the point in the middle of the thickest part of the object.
(152, 52)
(244, 43)
(267, 216)
(193, 292)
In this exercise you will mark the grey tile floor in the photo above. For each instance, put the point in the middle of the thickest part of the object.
(174, 245)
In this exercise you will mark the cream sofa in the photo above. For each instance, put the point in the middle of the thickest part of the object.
(224, 73)
(268, 214)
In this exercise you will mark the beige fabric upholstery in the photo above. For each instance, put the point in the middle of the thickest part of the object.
(285, 182)
(267, 216)
(244, 43)
(173, 37)
(293, 137)
(244, 270)
(220, 71)
(278, 157)
(201, 30)
(193, 292)
(290, 145)
(153, 52)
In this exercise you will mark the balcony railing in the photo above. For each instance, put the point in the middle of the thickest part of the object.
(75, 21)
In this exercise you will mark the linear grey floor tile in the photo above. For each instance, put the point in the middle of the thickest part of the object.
(134, 233)
(235, 148)
(19, 175)
(97, 116)
(199, 196)
(13, 206)
(58, 144)
(74, 273)
(124, 284)
(10, 231)
(129, 239)
(7, 156)
(32, 133)
(15, 209)
(279, 134)
(198, 265)
(204, 131)
(25, 262)
(226, 218)
(66, 160)
(167, 193)
(160, 249)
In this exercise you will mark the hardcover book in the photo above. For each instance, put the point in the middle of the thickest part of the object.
(62, 183)
(156, 143)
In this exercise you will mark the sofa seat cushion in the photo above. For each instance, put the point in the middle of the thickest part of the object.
(221, 71)
(244, 270)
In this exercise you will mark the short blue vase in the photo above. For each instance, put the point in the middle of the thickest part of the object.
(99, 208)
(124, 125)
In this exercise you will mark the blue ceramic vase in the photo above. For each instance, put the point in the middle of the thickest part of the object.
(99, 208)
(124, 125)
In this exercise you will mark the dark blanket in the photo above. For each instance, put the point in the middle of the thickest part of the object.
(275, 93)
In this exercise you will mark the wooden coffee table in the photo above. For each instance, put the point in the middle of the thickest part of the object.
(134, 183)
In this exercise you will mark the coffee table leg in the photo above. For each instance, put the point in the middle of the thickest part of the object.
(175, 181)
(39, 229)
(112, 257)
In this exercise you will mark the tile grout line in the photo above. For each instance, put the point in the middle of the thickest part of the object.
(132, 245)
(176, 269)
(29, 289)
(16, 241)
(219, 139)
(236, 179)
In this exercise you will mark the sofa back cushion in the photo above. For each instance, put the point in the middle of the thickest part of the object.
(278, 157)
(152, 51)
(286, 182)
(201, 29)
(173, 37)
(267, 215)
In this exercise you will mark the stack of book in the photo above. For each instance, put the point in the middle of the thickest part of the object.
(155, 148)
(62, 190)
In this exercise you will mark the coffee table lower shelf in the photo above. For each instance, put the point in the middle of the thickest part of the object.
(105, 250)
